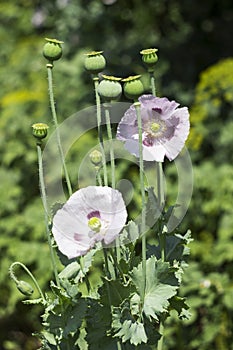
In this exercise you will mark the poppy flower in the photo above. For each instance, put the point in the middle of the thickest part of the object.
(165, 128)
(92, 214)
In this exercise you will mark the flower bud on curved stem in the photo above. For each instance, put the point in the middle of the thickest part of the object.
(24, 287)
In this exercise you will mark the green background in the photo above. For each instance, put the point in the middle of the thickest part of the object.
(195, 67)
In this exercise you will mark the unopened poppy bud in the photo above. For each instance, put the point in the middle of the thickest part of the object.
(133, 87)
(110, 88)
(149, 57)
(94, 62)
(96, 158)
(52, 50)
(25, 288)
(39, 130)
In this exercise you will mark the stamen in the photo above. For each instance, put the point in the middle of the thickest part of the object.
(95, 224)
(155, 127)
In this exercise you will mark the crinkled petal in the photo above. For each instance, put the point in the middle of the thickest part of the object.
(132, 147)
(70, 247)
(128, 125)
(70, 234)
(150, 102)
(176, 143)
(70, 224)
(154, 153)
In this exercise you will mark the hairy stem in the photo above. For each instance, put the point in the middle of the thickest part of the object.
(46, 213)
(143, 197)
(112, 161)
(111, 149)
(98, 115)
(152, 83)
(54, 115)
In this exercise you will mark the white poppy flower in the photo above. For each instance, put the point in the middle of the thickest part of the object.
(92, 214)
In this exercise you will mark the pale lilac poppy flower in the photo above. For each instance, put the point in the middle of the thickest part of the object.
(165, 128)
(92, 214)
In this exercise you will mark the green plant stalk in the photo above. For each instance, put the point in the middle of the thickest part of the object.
(112, 161)
(98, 115)
(87, 282)
(152, 82)
(109, 133)
(108, 291)
(54, 115)
(161, 331)
(159, 176)
(160, 194)
(31, 276)
(143, 196)
(44, 202)
(162, 237)
(160, 184)
(98, 178)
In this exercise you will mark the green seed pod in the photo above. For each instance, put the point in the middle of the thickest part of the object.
(133, 87)
(96, 158)
(39, 130)
(25, 288)
(109, 88)
(149, 57)
(94, 62)
(52, 50)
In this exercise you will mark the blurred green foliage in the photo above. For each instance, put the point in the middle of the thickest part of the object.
(191, 37)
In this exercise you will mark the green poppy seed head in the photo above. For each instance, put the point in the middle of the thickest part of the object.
(149, 57)
(133, 87)
(40, 130)
(52, 50)
(94, 62)
(110, 88)
(96, 157)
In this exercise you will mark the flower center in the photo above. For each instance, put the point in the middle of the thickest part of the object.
(95, 224)
(154, 130)
(155, 127)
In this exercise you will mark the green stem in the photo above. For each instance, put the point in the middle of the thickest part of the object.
(98, 177)
(152, 82)
(87, 282)
(162, 237)
(160, 184)
(44, 202)
(143, 196)
(160, 194)
(109, 132)
(119, 345)
(161, 331)
(98, 115)
(112, 161)
(54, 115)
(11, 270)
(108, 290)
